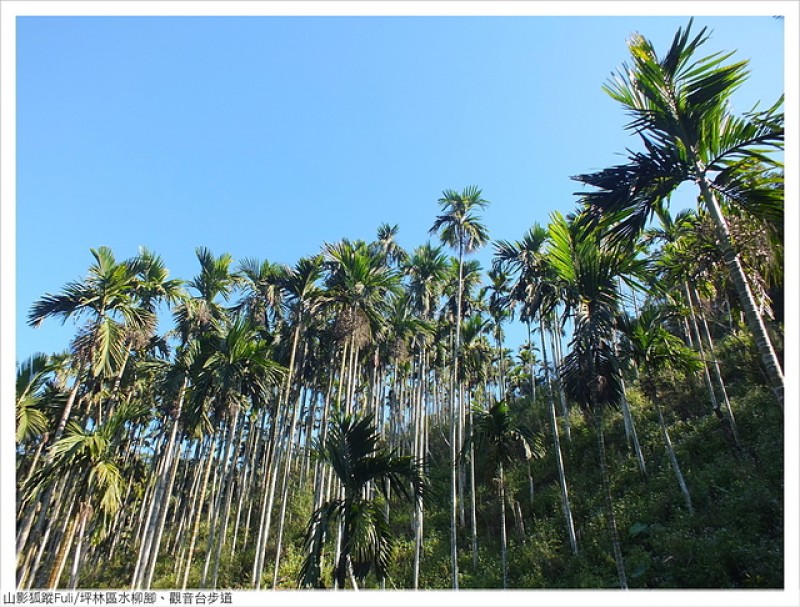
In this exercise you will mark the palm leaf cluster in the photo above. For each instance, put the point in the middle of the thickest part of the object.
(361, 463)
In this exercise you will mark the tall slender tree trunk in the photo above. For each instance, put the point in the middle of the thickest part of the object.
(320, 469)
(754, 320)
(25, 529)
(229, 481)
(266, 513)
(419, 451)
(715, 406)
(531, 369)
(473, 516)
(673, 458)
(36, 456)
(30, 513)
(611, 520)
(454, 416)
(501, 363)
(630, 431)
(462, 472)
(247, 486)
(36, 572)
(179, 545)
(63, 549)
(562, 477)
(201, 497)
(187, 488)
(555, 341)
(503, 537)
(272, 462)
(217, 502)
(308, 431)
(285, 492)
(703, 324)
(151, 503)
(163, 509)
(163, 496)
(85, 510)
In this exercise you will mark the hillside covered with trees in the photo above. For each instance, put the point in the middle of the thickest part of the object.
(358, 418)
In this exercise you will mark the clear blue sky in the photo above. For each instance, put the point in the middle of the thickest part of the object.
(265, 137)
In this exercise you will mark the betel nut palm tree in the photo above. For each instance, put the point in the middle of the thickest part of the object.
(92, 458)
(239, 372)
(649, 345)
(680, 105)
(116, 299)
(359, 459)
(357, 287)
(426, 269)
(460, 227)
(587, 266)
(495, 435)
(108, 297)
(302, 297)
(536, 289)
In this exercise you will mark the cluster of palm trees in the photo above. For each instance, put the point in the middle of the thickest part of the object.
(336, 378)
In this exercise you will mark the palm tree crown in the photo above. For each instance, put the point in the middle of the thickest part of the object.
(354, 451)
(459, 225)
(681, 111)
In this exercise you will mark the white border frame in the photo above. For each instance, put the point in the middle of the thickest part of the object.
(790, 9)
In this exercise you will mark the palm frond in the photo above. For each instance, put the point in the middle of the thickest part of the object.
(316, 533)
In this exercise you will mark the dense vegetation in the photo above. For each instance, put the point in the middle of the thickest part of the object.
(357, 419)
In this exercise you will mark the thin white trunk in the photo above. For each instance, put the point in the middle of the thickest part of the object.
(673, 458)
(199, 512)
(147, 524)
(67, 535)
(76, 558)
(754, 320)
(187, 517)
(248, 487)
(555, 341)
(562, 477)
(726, 422)
(288, 450)
(29, 572)
(171, 468)
(228, 483)
(285, 493)
(715, 363)
(503, 537)
(271, 464)
(630, 429)
(473, 516)
(215, 520)
(25, 530)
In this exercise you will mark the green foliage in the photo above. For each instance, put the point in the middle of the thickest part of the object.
(354, 451)
(734, 539)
